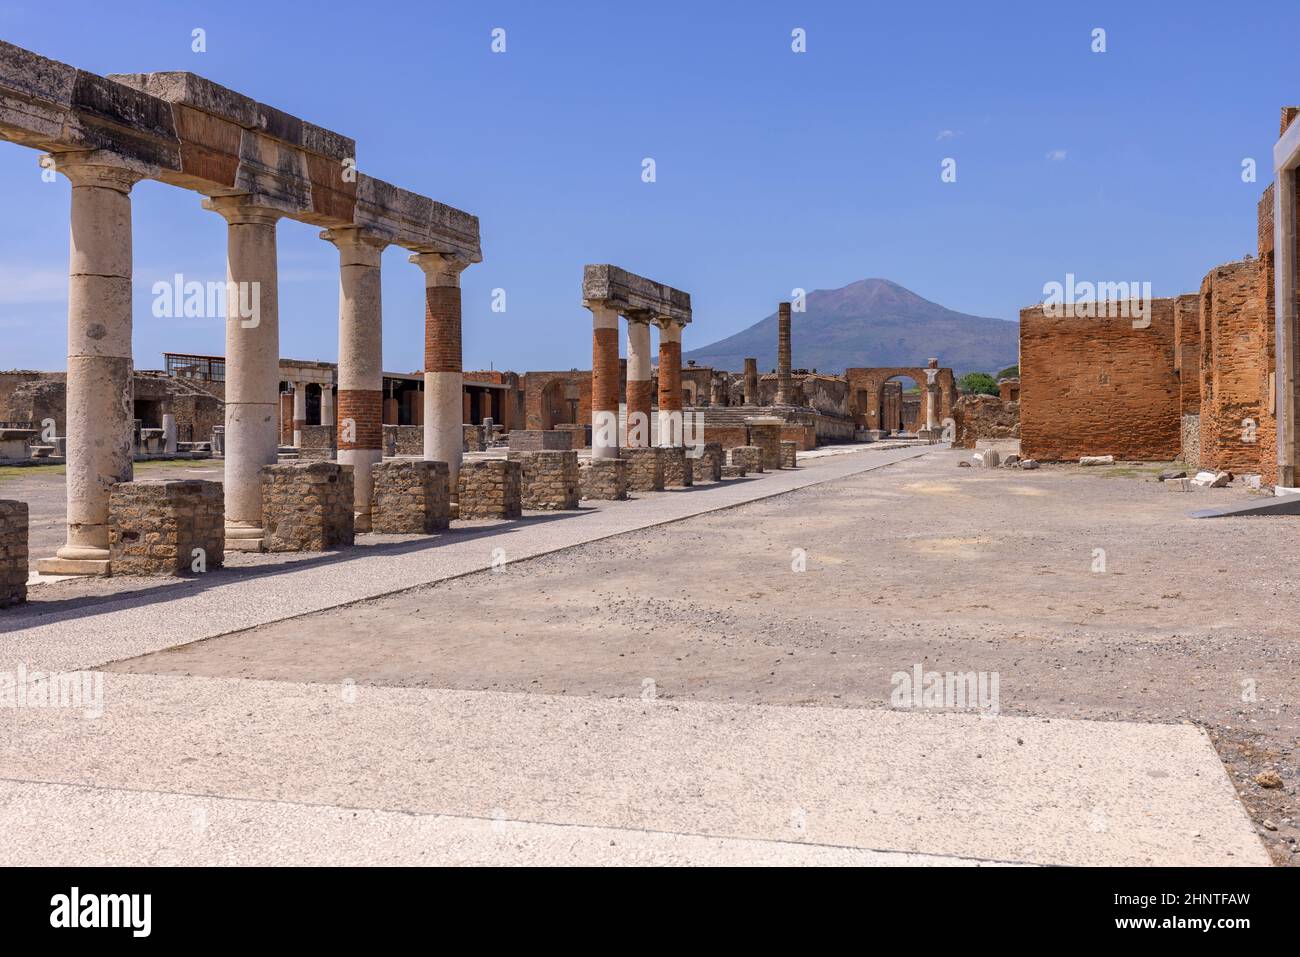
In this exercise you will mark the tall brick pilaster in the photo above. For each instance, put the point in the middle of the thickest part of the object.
(361, 362)
(443, 383)
(604, 380)
(751, 381)
(670, 383)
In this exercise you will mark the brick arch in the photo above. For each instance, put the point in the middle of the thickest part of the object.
(548, 397)
(865, 386)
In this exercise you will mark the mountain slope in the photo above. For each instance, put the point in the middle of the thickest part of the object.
(872, 322)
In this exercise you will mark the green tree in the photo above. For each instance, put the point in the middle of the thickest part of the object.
(978, 383)
(1010, 372)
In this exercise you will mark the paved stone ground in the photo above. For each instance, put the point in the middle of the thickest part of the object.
(915, 563)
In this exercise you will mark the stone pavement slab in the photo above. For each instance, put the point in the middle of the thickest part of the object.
(1021, 790)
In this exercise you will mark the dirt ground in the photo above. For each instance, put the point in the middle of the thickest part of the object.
(954, 569)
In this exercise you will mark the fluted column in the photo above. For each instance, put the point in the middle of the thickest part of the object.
(640, 388)
(932, 395)
(252, 362)
(444, 437)
(751, 381)
(784, 381)
(670, 383)
(361, 363)
(604, 381)
(100, 414)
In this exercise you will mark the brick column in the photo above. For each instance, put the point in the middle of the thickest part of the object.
(751, 381)
(784, 382)
(252, 362)
(639, 386)
(100, 415)
(670, 383)
(361, 363)
(604, 381)
(299, 412)
(443, 383)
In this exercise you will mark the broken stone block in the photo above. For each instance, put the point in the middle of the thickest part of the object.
(1171, 474)
(1097, 460)
(1011, 462)
(160, 528)
(963, 464)
(1212, 479)
(1029, 463)
(988, 459)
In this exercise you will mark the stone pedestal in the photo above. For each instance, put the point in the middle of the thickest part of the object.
(491, 489)
(549, 480)
(789, 454)
(645, 469)
(13, 553)
(765, 434)
(307, 507)
(708, 467)
(732, 471)
(750, 456)
(604, 480)
(166, 528)
(473, 436)
(538, 440)
(409, 497)
(678, 471)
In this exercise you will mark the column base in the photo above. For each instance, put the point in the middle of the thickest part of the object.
(244, 538)
(73, 566)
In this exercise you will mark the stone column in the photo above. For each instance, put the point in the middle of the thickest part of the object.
(361, 364)
(100, 410)
(604, 381)
(717, 393)
(932, 395)
(252, 362)
(327, 404)
(670, 383)
(639, 386)
(751, 381)
(299, 412)
(444, 413)
(784, 382)
(169, 433)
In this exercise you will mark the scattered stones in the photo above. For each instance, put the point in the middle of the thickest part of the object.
(492, 488)
(963, 464)
(410, 497)
(166, 528)
(1029, 463)
(988, 459)
(1097, 460)
(307, 507)
(1011, 462)
(1268, 779)
(1212, 479)
(1170, 474)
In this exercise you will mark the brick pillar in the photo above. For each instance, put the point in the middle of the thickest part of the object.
(604, 380)
(751, 381)
(100, 420)
(670, 383)
(286, 418)
(443, 383)
(361, 363)
(640, 389)
(784, 382)
(252, 362)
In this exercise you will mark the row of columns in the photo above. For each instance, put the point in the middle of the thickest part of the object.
(640, 388)
(100, 364)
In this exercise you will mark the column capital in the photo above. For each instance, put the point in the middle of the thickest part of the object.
(604, 313)
(441, 269)
(666, 323)
(638, 316)
(357, 246)
(98, 168)
(243, 210)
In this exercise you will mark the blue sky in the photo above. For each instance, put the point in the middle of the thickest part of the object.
(774, 169)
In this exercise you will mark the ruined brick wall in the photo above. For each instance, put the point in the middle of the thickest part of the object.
(403, 440)
(537, 440)
(978, 417)
(13, 553)
(789, 454)
(1267, 435)
(155, 527)
(1234, 351)
(1098, 386)
(317, 443)
(551, 397)
(866, 385)
(34, 397)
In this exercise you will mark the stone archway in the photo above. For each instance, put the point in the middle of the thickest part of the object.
(866, 386)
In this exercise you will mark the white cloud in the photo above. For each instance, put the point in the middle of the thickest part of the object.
(1056, 156)
(948, 135)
